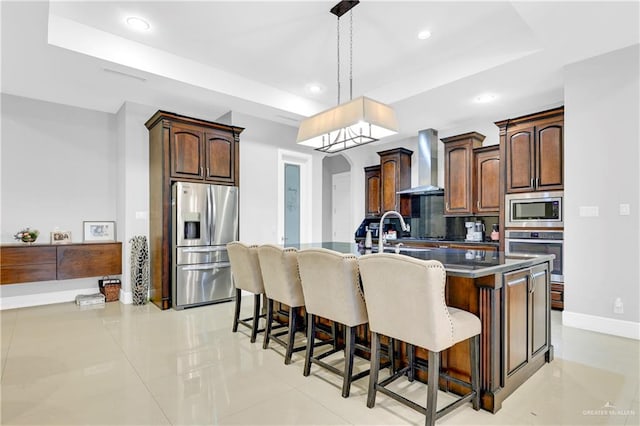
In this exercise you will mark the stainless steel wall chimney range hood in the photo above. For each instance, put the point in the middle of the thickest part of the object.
(427, 164)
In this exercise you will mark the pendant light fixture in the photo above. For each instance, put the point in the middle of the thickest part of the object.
(354, 123)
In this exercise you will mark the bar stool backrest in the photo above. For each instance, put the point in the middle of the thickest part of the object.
(245, 267)
(331, 286)
(280, 275)
(405, 299)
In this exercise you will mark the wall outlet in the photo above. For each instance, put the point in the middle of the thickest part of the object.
(625, 209)
(618, 307)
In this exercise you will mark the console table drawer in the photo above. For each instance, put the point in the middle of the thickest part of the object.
(25, 264)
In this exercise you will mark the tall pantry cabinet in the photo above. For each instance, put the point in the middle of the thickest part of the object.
(182, 149)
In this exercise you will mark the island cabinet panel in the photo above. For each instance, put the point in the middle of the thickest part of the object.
(182, 149)
(516, 319)
(372, 206)
(527, 332)
(534, 150)
(89, 260)
(458, 173)
(59, 262)
(27, 264)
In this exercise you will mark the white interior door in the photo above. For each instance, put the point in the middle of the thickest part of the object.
(341, 226)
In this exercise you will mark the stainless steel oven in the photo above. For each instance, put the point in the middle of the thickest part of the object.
(527, 242)
(533, 210)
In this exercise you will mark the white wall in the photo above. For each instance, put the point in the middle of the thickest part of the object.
(59, 168)
(62, 165)
(259, 144)
(602, 254)
(133, 182)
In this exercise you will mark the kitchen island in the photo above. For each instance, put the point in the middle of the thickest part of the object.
(510, 295)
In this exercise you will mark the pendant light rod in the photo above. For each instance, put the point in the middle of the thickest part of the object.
(353, 123)
(343, 7)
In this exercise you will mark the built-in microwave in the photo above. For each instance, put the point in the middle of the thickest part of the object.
(534, 209)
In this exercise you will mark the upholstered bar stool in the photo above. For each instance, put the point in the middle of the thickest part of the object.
(245, 270)
(331, 286)
(281, 280)
(405, 300)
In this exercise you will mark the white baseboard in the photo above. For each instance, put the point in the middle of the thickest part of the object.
(628, 329)
(126, 297)
(28, 300)
(38, 299)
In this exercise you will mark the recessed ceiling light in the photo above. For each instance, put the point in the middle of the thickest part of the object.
(315, 88)
(138, 24)
(484, 98)
(425, 34)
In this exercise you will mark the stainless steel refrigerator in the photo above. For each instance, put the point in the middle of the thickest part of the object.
(204, 220)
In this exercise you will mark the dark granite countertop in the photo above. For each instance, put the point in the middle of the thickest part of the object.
(458, 262)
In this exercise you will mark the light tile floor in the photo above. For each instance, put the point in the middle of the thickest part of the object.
(135, 365)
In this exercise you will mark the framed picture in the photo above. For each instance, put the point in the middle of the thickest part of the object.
(99, 231)
(61, 237)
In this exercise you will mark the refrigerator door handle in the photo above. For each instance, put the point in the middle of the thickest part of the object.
(213, 214)
(203, 249)
(206, 267)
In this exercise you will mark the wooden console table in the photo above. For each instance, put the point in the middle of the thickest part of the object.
(45, 262)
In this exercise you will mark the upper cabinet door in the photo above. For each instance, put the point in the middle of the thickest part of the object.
(520, 160)
(487, 180)
(186, 152)
(458, 180)
(220, 157)
(549, 161)
(395, 175)
(372, 191)
(458, 173)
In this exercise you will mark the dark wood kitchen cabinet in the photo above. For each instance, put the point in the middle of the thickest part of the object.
(527, 331)
(486, 180)
(24, 264)
(182, 149)
(458, 173)
(395, 175)
(533, 146)
(202, 153)
(372, 205)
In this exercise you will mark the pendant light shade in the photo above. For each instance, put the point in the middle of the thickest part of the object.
(353, 123)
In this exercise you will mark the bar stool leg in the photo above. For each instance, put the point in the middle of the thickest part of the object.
(293, 324)
(432, 388)
(267, 328)
(311, 331)
(256, 317)
(236, 315)
(392, 355)
(474, 346)
(411, 374)
(350, 342)
(373, 369)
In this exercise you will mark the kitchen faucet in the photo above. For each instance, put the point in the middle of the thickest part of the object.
(381, 228)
